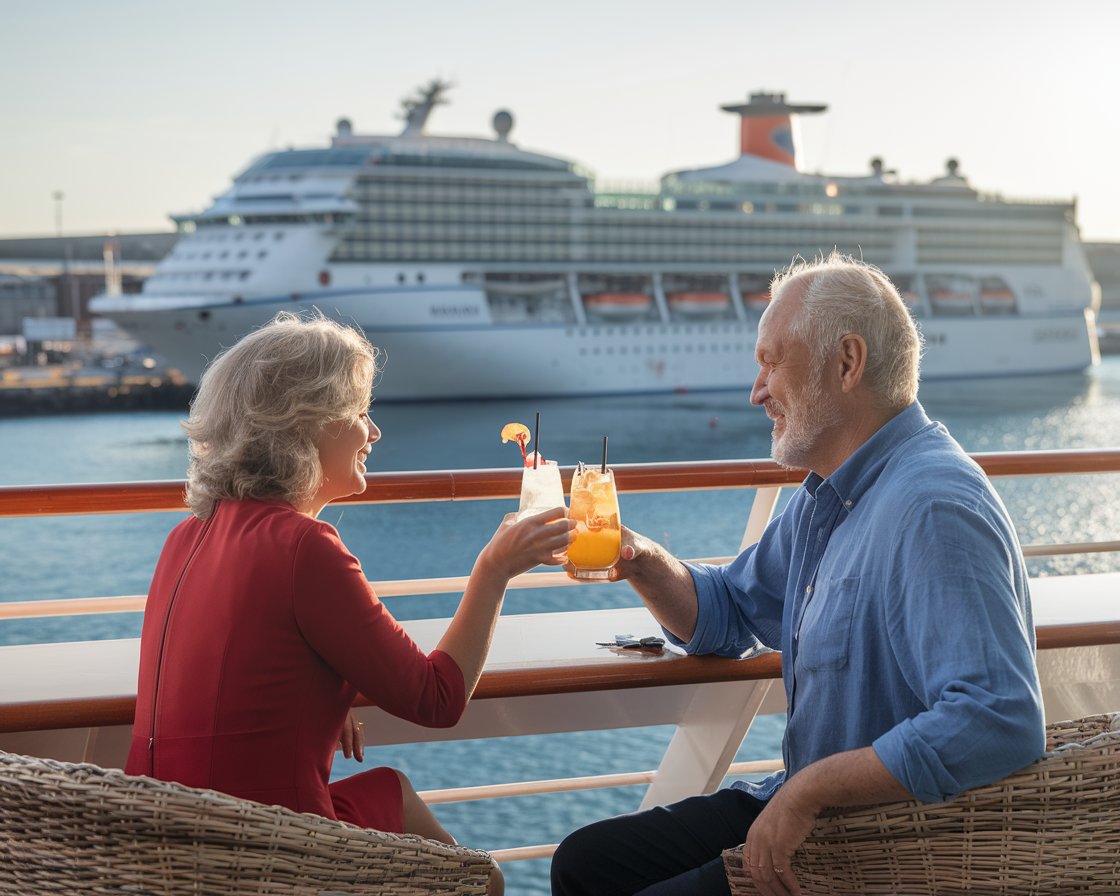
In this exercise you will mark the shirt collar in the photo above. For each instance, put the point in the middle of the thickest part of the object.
(858, 473)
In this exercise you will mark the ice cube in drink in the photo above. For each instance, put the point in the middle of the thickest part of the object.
(597, 538)
(541, 488)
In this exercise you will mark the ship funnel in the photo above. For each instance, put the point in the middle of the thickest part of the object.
(766, 128)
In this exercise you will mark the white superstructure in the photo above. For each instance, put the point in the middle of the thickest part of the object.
(483, 270)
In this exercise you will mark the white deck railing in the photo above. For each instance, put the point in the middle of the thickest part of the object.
(75, 701)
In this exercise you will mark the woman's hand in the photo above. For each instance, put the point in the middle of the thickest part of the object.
(352, 740)
(519, 545)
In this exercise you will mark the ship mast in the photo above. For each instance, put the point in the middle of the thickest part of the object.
(766, 128)
(417, 108)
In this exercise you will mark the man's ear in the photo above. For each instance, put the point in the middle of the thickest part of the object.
(852, 361)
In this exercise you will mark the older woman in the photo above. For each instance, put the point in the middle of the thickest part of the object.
(261, 628)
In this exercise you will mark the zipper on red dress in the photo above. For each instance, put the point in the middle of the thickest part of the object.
(163, 641)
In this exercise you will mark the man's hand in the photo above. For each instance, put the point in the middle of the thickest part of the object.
(853, 778)
(632, 549)
(772, 840)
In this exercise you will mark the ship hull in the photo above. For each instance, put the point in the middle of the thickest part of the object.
(440, 344)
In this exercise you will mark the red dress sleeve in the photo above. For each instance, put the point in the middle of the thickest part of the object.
(342, 619)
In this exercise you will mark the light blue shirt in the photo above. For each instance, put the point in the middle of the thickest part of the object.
(897, 593)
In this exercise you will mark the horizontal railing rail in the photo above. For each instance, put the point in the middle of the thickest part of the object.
(475, 485)
(472, 485)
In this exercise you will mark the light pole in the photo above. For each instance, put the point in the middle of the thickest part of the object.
(68, 285)
(58, 196)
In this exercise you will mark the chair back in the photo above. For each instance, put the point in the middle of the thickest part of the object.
(74, 828)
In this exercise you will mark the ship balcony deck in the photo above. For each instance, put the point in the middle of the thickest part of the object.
(545, 674)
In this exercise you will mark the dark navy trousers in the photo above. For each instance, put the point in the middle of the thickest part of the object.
(665, 851)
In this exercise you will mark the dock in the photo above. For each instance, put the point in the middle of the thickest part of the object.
(66, 388)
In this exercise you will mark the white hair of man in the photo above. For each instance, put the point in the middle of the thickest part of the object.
(844, 295)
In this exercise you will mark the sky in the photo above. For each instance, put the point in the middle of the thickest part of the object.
(136, 110)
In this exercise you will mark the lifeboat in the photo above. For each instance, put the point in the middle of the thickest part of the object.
(951, 301)
(756, 301)
(618, 305)
(698, 304)
(997, 298)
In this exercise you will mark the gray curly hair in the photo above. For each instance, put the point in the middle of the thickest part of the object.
(261, 405)
(845, 295)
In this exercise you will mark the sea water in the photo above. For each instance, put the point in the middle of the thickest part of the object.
(115, 554)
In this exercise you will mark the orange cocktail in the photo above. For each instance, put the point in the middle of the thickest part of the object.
(597, 537)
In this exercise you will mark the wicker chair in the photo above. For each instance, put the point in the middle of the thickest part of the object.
(68, 828)
(1050, 828)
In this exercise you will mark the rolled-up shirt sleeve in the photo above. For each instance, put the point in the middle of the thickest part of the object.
(965, 647)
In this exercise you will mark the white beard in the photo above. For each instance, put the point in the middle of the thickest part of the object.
(799, 441)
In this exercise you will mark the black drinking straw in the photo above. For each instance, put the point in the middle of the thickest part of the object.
(537, 440)
(604, 470)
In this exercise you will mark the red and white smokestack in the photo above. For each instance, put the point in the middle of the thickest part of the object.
(766, 128)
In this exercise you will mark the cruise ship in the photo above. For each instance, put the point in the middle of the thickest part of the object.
(484, 270)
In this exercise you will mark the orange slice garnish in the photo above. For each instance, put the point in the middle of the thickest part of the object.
(515, 432)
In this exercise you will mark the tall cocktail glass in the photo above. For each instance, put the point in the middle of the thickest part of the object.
(597, 537)
(541, 488)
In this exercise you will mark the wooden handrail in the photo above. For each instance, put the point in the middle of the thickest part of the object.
(494, 684)
(535, 681)
(472, 485)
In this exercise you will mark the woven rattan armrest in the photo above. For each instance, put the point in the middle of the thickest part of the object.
(1050, 828)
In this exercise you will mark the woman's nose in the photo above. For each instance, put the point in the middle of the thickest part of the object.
(374, 432)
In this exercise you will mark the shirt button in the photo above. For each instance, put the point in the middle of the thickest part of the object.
(809, 589)
(848, 503)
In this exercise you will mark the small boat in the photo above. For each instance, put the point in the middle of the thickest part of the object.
(951, 301)
(996, 297)
(698, 304)
(756, 301)
(618, 305)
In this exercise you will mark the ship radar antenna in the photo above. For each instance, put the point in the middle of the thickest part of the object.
(416, 108)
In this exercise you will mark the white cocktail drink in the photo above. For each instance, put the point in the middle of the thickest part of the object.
(541, 488)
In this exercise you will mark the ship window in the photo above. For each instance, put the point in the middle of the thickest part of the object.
(262, 253)
(419, 278)
(400, 278)
(244, 275)
(279, 235)
(242, 254)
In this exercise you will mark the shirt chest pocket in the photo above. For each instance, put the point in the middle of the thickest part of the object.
(825, 634)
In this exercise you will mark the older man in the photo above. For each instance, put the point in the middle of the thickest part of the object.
(893, 584)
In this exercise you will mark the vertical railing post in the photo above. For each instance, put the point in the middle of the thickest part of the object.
(762, 509)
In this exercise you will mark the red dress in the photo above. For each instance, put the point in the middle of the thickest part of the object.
(259, 631)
